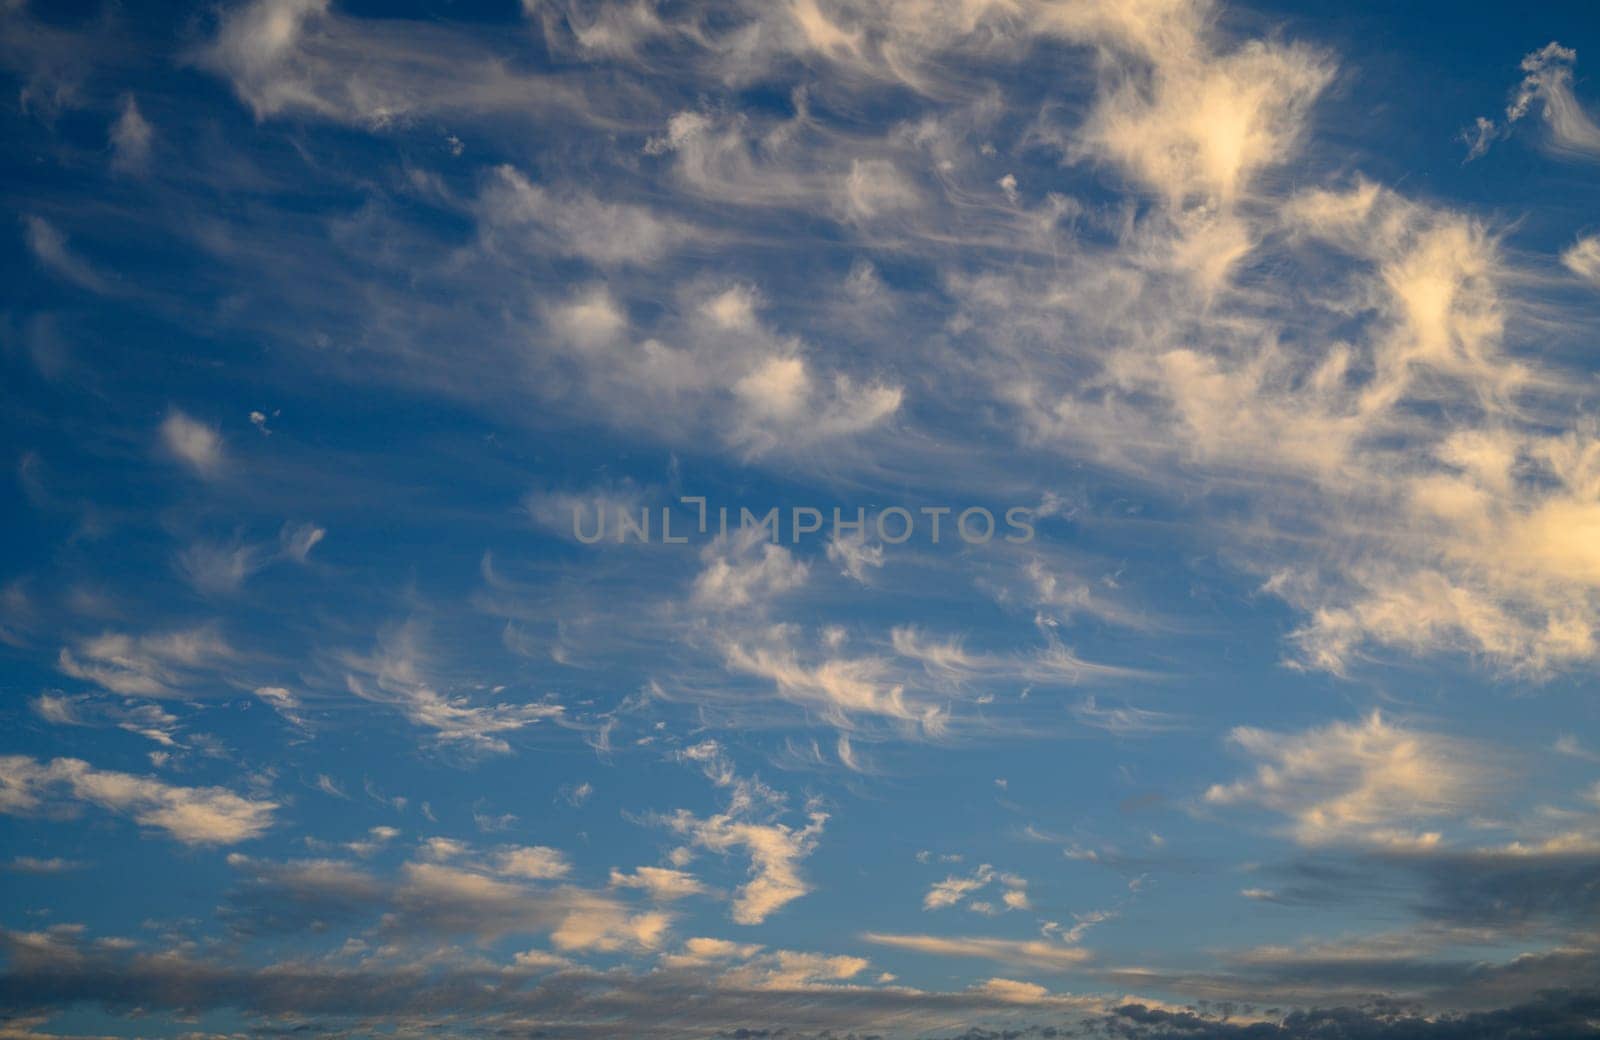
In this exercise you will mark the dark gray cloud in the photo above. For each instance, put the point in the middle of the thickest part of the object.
(1511, 888)
(1519, 890)
(1559, 1015)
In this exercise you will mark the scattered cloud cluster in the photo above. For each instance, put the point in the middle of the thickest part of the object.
(1092, 255)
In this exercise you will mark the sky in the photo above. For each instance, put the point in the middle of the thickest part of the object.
(800, 518)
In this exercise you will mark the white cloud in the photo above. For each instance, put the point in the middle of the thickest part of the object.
(1582, 258)
(663, 884)
(36, 865)
(780, 402)
(1016, 992)
(151, 665)
(875, 188)
(1199, 126)
(538, 862)
(298, 541)
(192, 815)
(193, 443)
(1371, 783)
(956, 889)
(1549, 84)
(301, 58)
(591, 515)
(150, 721)
(131, 137)
(438, 898)
(284, 702)
(789, 970)
(219, 569)
(1041, 954)
(708, 367)
(953, 889)
(743, 570)
(593, 922)
(49, 247)
(519, 214)
(591, 319)
(1127, 721)
(854, 555)
(775, 851)
(394, 676)
(839, 688)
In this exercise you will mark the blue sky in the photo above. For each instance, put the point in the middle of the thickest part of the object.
(330, 328)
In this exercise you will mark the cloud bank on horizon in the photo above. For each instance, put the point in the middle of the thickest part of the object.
(1103, 502)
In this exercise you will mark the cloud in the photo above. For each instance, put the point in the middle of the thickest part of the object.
(663, 884)
(49, 247)
(854, 555)
(521, 216)
(445, 899)
(697, 994)
(1557, 1013)
(949, 662)
(856, 247)
(1039, 954)
(216, 569)
(1582, 258)
(394, 676)
(1368, 783)
(36, 865)
(484, 900)
(191, 815)
(1127, 721)
(284, 702)
(914, 686)
(875, 187)
(222, 568)
(375, 841)
(1196, 125)
(743, 569)
(1010, 989)
(536, 862)
(150, 721)
(1477, 556)
(298, 541)
(780, 398)
(1221, 334)
(591, 516)
(131, 138)
(841, 689)
(149, 665)
(299, 58)
(956, 889)
(1548, 84)
(793, 971)
(775, 851)
(953, 890)
(193, 443)
(707, 367)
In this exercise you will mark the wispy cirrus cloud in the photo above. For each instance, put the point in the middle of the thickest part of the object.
(1547, 86)
(395, 676)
